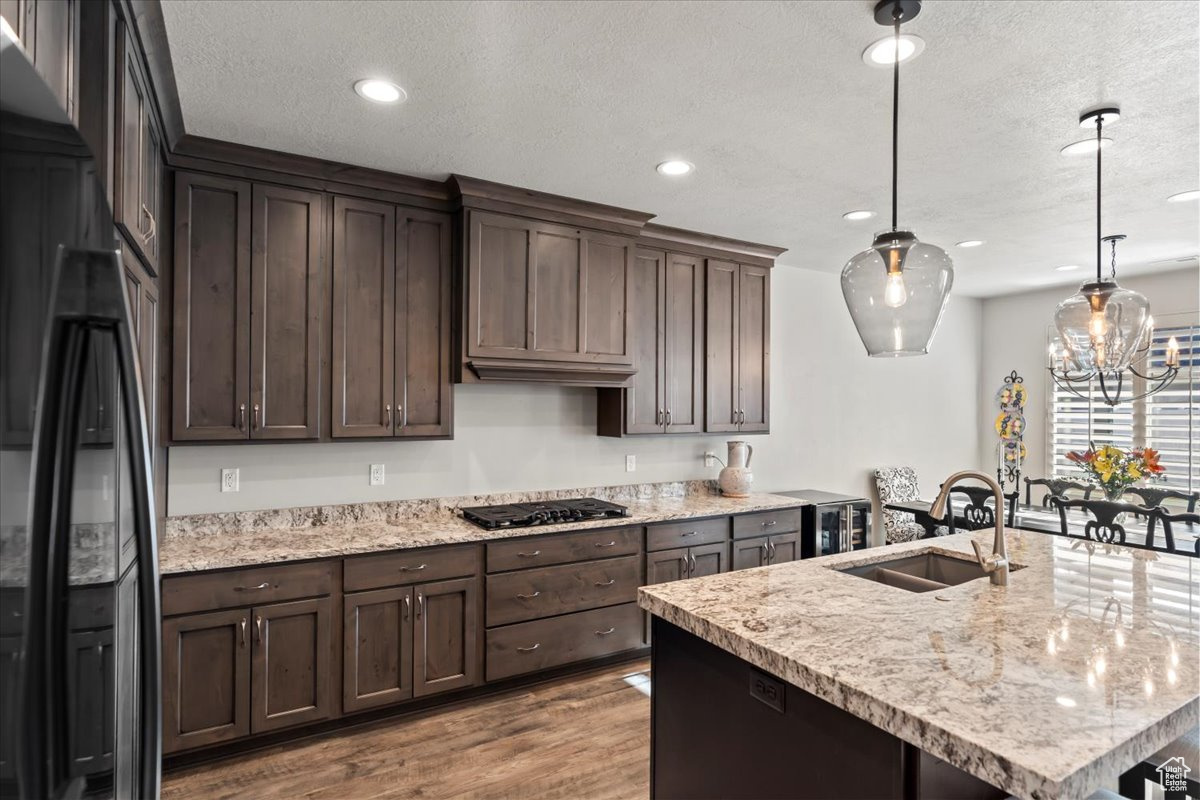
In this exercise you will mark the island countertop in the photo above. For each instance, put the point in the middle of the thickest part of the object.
(1085, 664)
(219, 541)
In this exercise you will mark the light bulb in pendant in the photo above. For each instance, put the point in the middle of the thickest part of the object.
(1098, 326)
(1173, 352)
(895, 294)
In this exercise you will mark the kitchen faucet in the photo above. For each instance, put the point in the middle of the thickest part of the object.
(995, 565)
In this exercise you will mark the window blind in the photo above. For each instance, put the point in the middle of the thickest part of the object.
(1168, 421)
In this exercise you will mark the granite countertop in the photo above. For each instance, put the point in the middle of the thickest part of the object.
(216, 541)
(1085, 664)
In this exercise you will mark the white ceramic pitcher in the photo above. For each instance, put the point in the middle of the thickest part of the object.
(736, 477)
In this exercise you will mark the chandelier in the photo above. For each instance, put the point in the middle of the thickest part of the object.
(1105, 331)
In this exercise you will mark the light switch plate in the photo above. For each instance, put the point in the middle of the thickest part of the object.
(230, 480)
(630, 463)
(377, 474)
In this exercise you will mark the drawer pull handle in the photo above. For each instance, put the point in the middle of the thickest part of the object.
(605, 633)
(689, 533)
(534, 554)
(414, 569)
(263, 585)
(609, 582)
(529, 649)
(528, 596)
(607, 544)
(770, 524)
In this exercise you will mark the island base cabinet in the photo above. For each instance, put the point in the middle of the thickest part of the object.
(723, 729)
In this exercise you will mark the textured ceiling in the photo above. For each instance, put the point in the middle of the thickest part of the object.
(787, 126)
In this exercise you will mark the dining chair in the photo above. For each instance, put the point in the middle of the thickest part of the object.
(1057, 487)
(1153, 497)
(1168, 532)
(899, 485)
(977, 514)
(1104, 525)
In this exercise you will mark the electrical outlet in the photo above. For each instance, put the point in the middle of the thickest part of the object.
(229, 480)
(631, 463)
(377, 474)
(710, 459)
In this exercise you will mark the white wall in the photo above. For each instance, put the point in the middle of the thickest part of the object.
(1014, 337)
(835, 415)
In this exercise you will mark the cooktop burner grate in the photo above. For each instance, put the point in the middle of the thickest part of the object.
(546, 512)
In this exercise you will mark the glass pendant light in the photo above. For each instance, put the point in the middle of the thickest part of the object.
(896, 290)
(1105, 330)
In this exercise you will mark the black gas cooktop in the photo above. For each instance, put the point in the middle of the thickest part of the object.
(548, 512)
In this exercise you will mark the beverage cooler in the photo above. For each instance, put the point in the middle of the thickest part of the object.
(833, 523)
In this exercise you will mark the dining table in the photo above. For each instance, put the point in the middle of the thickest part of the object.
(1044, 519)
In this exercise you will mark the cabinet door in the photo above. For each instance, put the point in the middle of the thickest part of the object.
(89, 701)
(605, 298)
(143, 308)
(151, 194)
(53, 43)
(364, 318)
(754, 347)
(684, 342)
(378, 657)
(423, 394)
(211, 342)
(285, 313)
(667, 565)
(499, 320)
(446, 638)
(721, 369)
(749, 553)
(206, 678)
(645, 401)
(136, 160)
(291, 670)
(708, 559)
(556, 275)
(784, 547)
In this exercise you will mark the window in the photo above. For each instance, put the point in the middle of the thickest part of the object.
(1168, 421)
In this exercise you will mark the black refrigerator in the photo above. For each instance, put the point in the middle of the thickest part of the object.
(79, 606)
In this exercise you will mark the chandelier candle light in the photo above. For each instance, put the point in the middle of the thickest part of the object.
(1105, 330)
(896, 290)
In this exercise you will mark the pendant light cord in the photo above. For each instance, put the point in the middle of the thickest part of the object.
(1099, 235)
(896, 12)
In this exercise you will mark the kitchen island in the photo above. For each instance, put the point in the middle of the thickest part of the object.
(799, 680)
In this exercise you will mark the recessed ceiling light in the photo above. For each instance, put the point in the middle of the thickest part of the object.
(675, 168)
(1183, 197)
(857, 215)
(883, 52)
(1067, 267)
(971, 243)
(380, 91)
(1084, 148)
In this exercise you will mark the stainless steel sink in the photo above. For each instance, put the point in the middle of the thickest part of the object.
(923, 572)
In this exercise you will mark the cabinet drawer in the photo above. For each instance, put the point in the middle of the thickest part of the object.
(687, 533)
(544, 550)
(409, 566)
(765, 523)
(545, 643)
(544, 592)
(246, 587)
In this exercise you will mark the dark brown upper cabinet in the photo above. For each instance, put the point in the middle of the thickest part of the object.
(285, 313)
(666, 394)
(738, 347)
(137, 156)
(49, 32)
(548, 287)
(391, 321)
(247, 310)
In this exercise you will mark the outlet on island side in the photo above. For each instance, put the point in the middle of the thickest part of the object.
(377, 474)
(230, 480)
(631, 463)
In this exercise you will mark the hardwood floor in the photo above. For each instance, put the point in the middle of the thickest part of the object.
(584, 737)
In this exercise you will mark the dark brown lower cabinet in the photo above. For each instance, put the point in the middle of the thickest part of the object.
(291, 664)
(206, 678)
(446, 634)
(90, 668)
(687, 562)
(764, 550)
(377, 667)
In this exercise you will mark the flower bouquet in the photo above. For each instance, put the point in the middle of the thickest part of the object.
(1114, 470)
